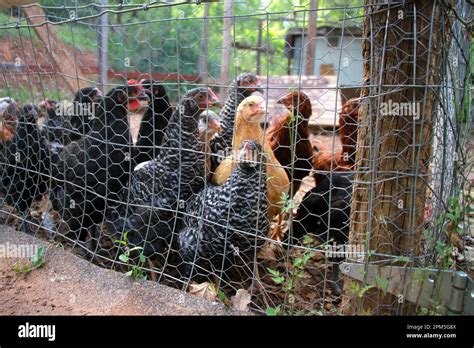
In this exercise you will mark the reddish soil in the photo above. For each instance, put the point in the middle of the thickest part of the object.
(67, 284)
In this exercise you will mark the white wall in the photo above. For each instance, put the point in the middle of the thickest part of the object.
(350, 68)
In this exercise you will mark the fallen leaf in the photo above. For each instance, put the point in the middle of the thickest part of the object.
(241, 300)
(205, 290)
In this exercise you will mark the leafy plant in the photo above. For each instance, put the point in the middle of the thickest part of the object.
(37, 261)
(134, 270)
(273, 311)
(381, 283)
(277, 278)
(288, 204)
(289, 280)
(358, 290)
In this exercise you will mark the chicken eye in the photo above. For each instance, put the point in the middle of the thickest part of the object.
(251, 104)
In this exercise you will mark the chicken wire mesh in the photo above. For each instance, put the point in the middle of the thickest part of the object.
(228, 149)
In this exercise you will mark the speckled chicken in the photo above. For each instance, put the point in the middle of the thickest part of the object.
(228, 223)
(243, 86)
(249, 115)
(171, 178)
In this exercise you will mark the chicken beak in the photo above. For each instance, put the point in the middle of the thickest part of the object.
(260, 112)
(142, 95)
(212, 99)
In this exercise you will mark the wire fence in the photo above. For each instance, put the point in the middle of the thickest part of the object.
(280, 158)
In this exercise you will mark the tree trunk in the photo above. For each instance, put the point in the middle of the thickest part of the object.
(203, 45)
(402, 56)
(259, 46)
(226, 45)
(311, 48)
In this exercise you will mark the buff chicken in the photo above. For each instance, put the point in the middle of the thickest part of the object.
(250, 113)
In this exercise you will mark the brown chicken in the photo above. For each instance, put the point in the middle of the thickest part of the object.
(8, 121)
(247, 127)
(324, 162)
(279, 137)
(348, 125)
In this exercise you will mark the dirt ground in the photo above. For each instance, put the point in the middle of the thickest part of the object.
(68, 285)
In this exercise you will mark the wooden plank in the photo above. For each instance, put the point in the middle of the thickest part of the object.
(61, 56)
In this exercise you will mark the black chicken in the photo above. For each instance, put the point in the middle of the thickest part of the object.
(156, 189)
(92, 170)
(27, 163)
(64, 125)
(227, 224)
(325, 212)
(154, 121)
(243, 86)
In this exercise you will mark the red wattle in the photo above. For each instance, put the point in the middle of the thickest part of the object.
(133, 105)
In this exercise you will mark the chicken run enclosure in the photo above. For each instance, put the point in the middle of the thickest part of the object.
(285, 157)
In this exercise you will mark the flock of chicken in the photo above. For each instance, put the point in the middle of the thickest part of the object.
(203, 186)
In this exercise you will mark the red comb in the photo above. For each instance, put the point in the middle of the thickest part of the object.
(133, 82)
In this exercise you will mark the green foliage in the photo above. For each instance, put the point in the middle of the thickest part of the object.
(288, 281)
(381, 283)
(433, 309)
(358, 290)
(168, 39)
(223, 297)
(273, 311)
(288, 204)
(37, 261)
(277, 278)
(308, 240)
(135, 267)
(34, 96)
